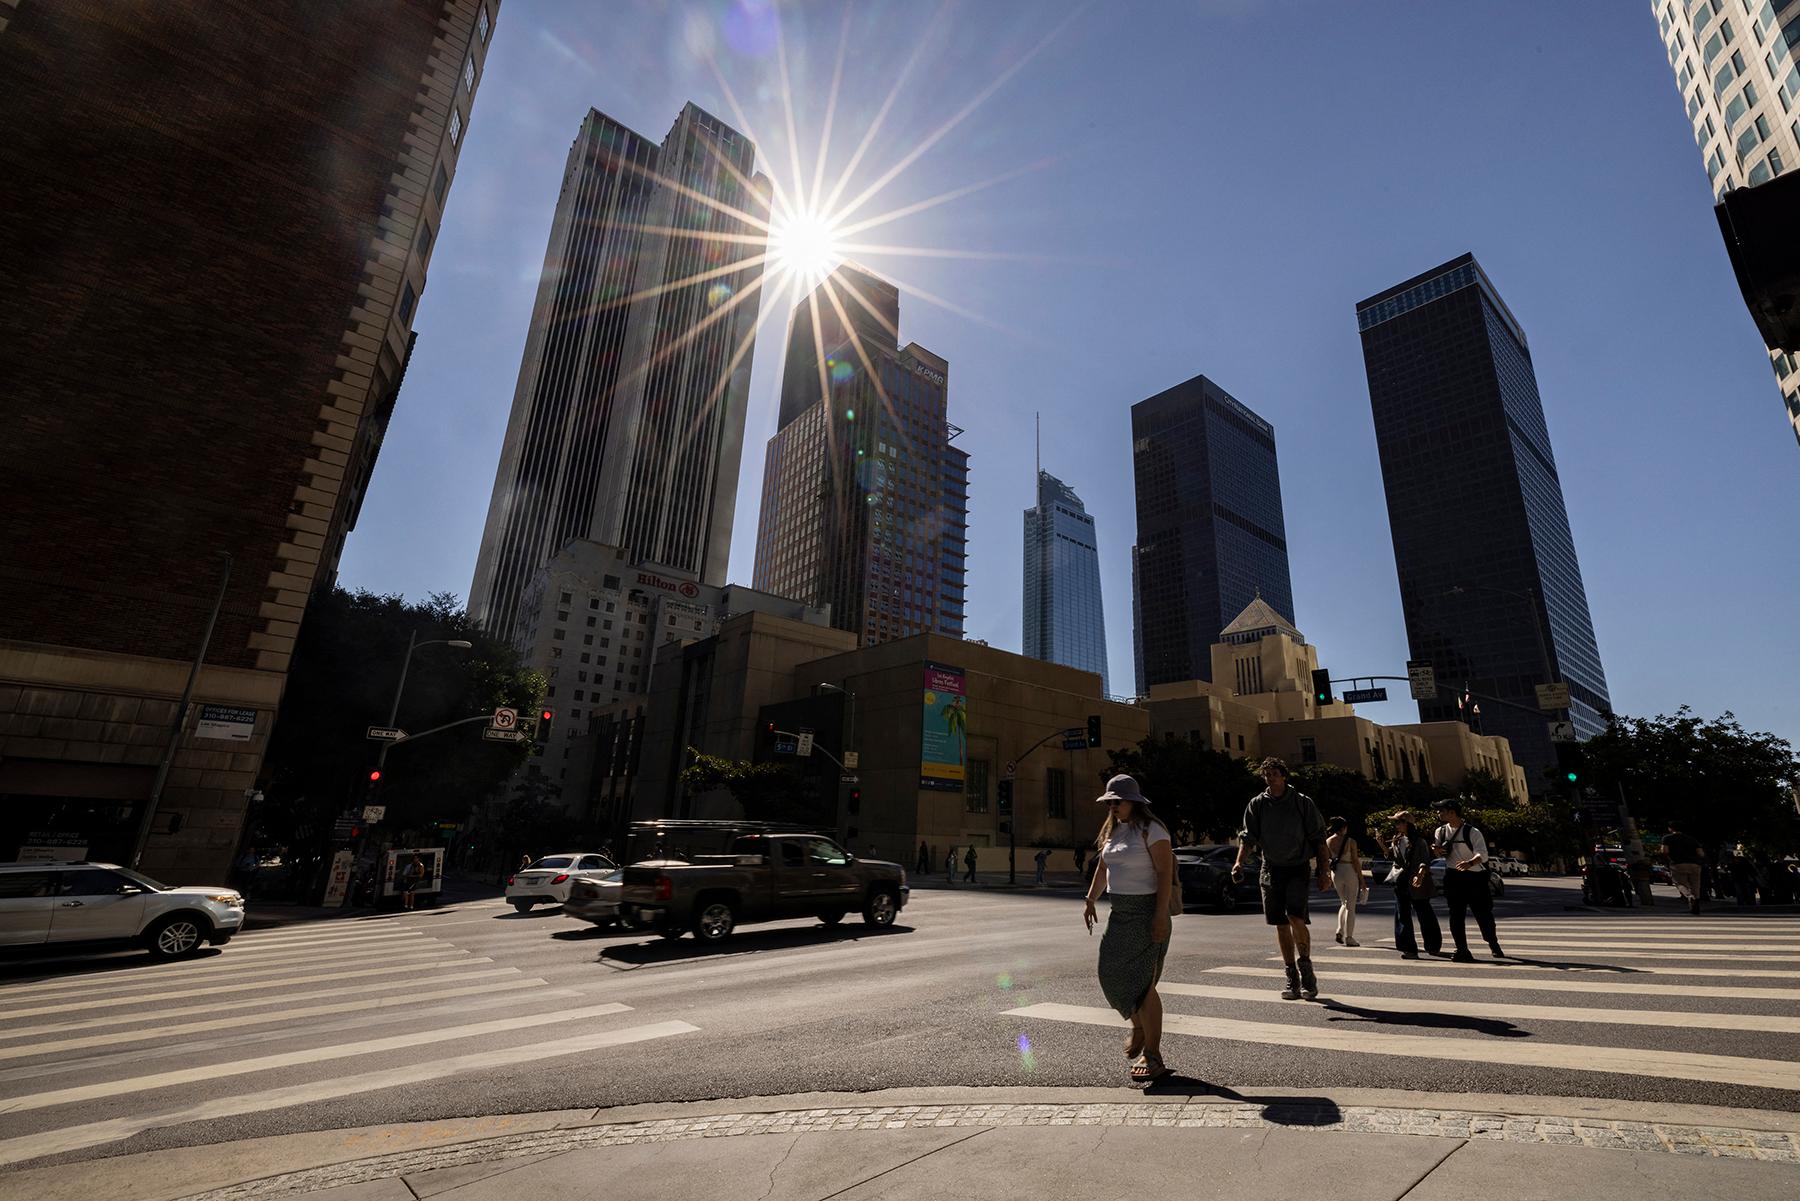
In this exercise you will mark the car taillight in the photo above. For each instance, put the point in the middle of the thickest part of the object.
(561, 878)
(509, 880)
(665, 889)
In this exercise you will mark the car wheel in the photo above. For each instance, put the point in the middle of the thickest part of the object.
(176, 935)
(714, 921)
(832, 918)
(522, 906)
(881, 909)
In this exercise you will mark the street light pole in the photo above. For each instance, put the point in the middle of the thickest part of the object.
(412, 644)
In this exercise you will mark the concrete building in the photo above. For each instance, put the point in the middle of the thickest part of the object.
(718, 694)
(627, 423)
(1210, 534)
(1737, 67)
(865, 500)
(591, 621)
(209, 272)
(1489, 581)
(1065, 620)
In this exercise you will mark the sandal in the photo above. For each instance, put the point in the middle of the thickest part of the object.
(1134, 1045)
(1148, 1069)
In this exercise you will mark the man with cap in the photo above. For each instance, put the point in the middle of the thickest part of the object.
(1413, 890)
(1285, 825)
(1465, 879)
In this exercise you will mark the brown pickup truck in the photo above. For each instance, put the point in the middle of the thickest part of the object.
(761, 878)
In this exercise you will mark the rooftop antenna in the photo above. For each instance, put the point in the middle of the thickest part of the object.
(1037, 421)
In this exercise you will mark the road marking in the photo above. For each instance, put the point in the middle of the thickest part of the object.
(411, 999)
(1772, 1024)
(1507, 977)
(458, 959)
(122, 982)
(1651, 951)
(1528, 1053)
(1781, 929)
(239, 1005)
(93, 1134)
(250, 944)
(1601, 942)
(288, 1059)
(143, 969)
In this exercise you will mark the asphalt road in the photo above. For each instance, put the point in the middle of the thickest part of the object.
(472, 1009)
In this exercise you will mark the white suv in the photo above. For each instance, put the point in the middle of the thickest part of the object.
(60, 904)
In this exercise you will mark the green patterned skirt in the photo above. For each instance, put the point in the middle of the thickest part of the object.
(1130, 961)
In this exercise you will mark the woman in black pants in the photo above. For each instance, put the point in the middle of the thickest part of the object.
(1413, 890)
(1465, 880)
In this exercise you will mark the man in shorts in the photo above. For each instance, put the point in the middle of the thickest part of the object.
(1685, 858)
(1285, 825)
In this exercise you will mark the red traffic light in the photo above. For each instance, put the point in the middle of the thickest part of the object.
(547, 715)
(374, 776)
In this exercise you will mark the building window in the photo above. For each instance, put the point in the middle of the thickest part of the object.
(590, 623)
(975, 787)
(1240, 742)
(1056, 792)
(469, 74)
(455, 127)
(441, 184)
(481, 25)
(425, 238)
(1776, 166)
(1309, 750)
(408, 299)
(1759, 174)
(556, 635)
(611, 583)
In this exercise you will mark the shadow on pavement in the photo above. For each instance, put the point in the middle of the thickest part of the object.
(38, 964)
(1282, 1111)
(1435, 1021)
(664, 950)
(530, 915)
(1562, 965)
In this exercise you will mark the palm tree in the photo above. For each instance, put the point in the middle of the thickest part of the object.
(956, 722)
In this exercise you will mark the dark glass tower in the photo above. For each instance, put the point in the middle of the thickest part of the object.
(1065, 620)
(1489, 584)
(1210, 533)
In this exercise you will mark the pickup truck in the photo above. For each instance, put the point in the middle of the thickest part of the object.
(763, 878)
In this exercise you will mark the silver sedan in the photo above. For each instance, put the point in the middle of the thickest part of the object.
(596, 899)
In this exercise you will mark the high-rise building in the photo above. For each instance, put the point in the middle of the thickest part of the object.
(1738, 68)
(218, 229)
(1489, 583)
(1210, 536)
(628, 420)
(865, 499)
(1064, 621)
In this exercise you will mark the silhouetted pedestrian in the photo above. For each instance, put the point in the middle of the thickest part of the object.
(969, 862)
(1289, 831)
(1042, 858)
(1466, 884)
(1685, 858)
(924, 858)
(1413, 890)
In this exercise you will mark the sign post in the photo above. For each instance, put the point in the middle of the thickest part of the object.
(1422, 679)
(803, 746)
(1552, 697)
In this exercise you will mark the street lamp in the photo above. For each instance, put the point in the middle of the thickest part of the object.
(412, 644)
(850, 734)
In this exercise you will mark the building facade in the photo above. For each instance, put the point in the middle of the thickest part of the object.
(1065, 620)
(1210, 533)
(1737, 65)
(865, 499)
(1489, 582)
(627, 422)
(204, 343)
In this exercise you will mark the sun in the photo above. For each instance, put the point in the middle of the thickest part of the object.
(805, 245)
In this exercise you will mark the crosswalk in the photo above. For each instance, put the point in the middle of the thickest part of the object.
(296, 1016)
(1661, 997)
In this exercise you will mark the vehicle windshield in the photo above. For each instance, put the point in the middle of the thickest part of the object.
(554, 861)
(141, 879)
(617, 877)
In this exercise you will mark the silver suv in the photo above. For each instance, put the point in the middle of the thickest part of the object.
(64, 904)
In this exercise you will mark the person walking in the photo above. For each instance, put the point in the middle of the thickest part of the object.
(412, 874)
(969, 863)
(1042, 857)
(1346, 876)
(950, 865)
(1285, 825)
(1135, 867)
(1685, 860)
(924, 857)
(1413, 890)
(1466, 884)
(1080, 859)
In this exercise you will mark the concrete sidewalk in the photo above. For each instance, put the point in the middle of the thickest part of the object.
(998, 1143)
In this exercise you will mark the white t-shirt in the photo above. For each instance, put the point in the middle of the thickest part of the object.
(1468, 842)
(1129, 869)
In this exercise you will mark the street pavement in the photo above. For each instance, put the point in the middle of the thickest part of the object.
(471, 1010)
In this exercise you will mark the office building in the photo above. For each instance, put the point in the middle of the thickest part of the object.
(865, 498)
(1210, 535)
(1489, 582)
(218, 231)
(627, 422)
(1064, 619)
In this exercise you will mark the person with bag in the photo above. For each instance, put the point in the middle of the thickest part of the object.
(1413, 890)
(412, 875)
(1135, 867)
(1287, 827)
(1465, 879)
(1346, 877)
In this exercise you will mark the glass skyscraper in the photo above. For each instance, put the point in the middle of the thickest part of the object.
(1489, 583)
(1064, 621)
(1210, 533)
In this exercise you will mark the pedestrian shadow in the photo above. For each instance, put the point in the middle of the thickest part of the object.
(1565, 965)
(659, 950)
(1314, 1112)
(1435, 1021)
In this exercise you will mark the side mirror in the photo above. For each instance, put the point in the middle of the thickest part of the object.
(129, 890)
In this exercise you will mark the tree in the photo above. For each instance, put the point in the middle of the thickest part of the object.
(1199, 792)
(770, 792)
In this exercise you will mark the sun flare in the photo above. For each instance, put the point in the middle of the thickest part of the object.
(806, 246)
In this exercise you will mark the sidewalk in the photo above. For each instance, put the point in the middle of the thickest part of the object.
(999, 1143)
(263, 915)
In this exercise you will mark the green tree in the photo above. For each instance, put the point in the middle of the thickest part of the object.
(1200, 792)
(1341, 792)
(770, 792)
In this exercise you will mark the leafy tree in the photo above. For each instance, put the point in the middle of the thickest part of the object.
(771, 792)
(1198, 791)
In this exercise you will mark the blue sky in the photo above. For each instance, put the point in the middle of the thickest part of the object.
(1200, 187)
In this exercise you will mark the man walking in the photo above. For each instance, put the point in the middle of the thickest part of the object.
(1685, 860)
(1042, 857)
(924, 857)
(1466, 884)
(969, 862)
(1285, 825)
(950, 865)
(1413, 890)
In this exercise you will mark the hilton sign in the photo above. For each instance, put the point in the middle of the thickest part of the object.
(685, 588)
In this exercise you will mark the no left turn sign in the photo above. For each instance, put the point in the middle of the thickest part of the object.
(505, 719)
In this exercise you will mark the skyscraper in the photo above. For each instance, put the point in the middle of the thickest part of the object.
(218, 230)
(1210, 536)
(1064, 622)
(628, 420)
(1739, 75)
(1489, 584)
(865, 500)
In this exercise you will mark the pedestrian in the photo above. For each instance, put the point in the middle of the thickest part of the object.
(924, 857)
(969, 862)
(412, 874)
(1287, 828)
(1743, 876)
(524, 862)
(1136, 869)
(1413, 890)
(1346, 876)
(1466, 884)
(1042, 858)
(950, 865)
(1685, 859)
(1080, 858)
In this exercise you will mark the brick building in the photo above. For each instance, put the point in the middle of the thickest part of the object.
(213, 239)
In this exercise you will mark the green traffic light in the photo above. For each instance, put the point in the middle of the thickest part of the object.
(1572, 777)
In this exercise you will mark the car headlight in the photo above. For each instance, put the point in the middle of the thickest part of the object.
(226, 898)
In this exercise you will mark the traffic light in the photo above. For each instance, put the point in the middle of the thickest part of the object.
(853, 802)
(543, 729)
(1571, 766)
(768, 738)
(1094, 729)
(1321, 685)
(1004, 793)
(374, 777)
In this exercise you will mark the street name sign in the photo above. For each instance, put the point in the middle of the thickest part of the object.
(785, 744)
(1552, 697)
(492, 735)
(1360, 696)
(1422, 679)
(386, 734)
(1072, 743)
